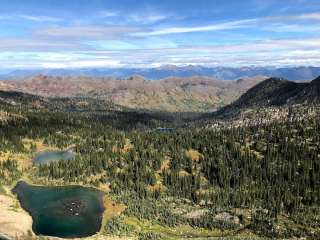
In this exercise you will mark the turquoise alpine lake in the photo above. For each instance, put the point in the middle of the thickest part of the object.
(52, 156)
(66, 211)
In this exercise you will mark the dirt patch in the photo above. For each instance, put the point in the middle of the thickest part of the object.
(112, 209)
(14, 221)
(4, 116)
(196, 214)
(157, 187)
(183, 173)
(38, 145)
(126, 147)
(105, 187)
(227, 217)
(165, 165)
(194, 155)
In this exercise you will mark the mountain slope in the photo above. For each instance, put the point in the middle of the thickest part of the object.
(310, 94)
(274, 92)
(13, 99)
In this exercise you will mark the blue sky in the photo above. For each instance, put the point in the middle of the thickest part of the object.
(150, 33)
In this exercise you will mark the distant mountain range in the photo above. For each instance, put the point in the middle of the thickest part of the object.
(223, 73)
(196, 94)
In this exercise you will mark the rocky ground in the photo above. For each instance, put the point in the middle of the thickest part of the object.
(14, 222)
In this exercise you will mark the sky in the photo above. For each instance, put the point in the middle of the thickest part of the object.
(153, 33)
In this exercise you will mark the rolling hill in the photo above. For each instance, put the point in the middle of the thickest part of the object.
(197, 94)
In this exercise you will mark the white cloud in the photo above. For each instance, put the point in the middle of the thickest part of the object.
(141, 17)
(11, 59)
(262, 22)
(30, 18)
(261, 53)
(309, 16)
(274, 46)
(107, 14)
(213, 27)
(82, 64)
(147, 18)
(85, 32)
(306, 16)
(40, 18)
(33, 44)
(292, 28)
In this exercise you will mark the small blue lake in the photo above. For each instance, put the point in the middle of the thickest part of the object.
(52, 156)
(165, 130)
(66, 211)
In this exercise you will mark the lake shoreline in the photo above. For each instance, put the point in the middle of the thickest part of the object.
(17, 193)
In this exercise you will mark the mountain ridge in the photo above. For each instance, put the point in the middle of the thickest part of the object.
(274, 92)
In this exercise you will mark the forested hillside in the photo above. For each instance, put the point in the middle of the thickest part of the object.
(273, 92)
(259, 179)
